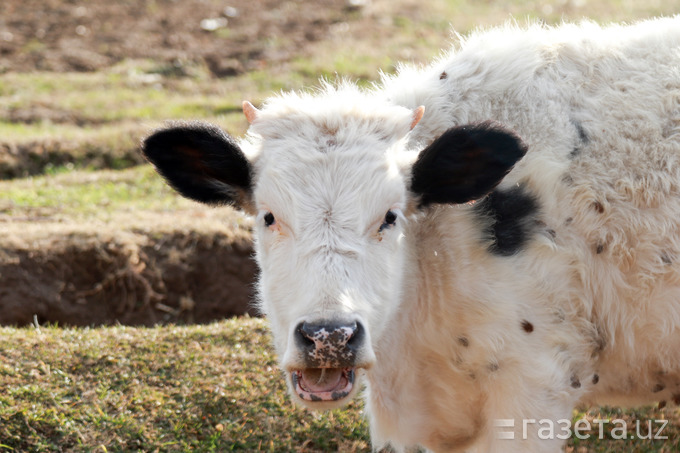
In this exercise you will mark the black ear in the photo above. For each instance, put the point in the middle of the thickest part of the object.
(465, 163)
(202, 162)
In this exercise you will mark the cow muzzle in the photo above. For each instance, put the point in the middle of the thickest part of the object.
(330, 353)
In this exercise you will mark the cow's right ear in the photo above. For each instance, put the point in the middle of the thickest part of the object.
(201, 162)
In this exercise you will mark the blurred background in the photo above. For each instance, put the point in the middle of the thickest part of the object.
(91, 236)
(88, 233)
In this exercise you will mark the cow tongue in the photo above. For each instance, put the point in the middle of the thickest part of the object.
(317, 380)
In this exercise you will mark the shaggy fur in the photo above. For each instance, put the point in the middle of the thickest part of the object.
(584, 307)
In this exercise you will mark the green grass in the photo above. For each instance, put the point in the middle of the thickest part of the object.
(200, 388)
(207, 388)
(42, 103)
(86, 194)
(107, 97)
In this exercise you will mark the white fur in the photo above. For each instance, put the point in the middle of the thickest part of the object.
(443, 314)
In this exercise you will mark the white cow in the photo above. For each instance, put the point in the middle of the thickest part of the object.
(490, 239)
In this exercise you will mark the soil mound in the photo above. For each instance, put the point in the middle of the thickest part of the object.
(134, 278)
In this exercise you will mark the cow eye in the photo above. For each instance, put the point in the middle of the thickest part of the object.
(390, 220)
(269, 219)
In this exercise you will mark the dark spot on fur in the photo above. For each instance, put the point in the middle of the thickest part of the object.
(583, 139)
(601, 341)
(599, 207)
(575, 382)
(568, 179)
(527, 326)
(658, 388)
(568, 220)
(541, 225)
(600, 344)
(582, 134)
(493, 366)
(596, 378)
(472, 376)
(512, 215)
(599, 248)
(559, 315)
(676, 399)
(662, 404)
(665, 258)
(464, 341)
(443, 75)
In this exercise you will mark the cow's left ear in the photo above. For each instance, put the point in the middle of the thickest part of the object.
(465, 163)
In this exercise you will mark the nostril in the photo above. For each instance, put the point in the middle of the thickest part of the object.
(357, 335)
(305, 334)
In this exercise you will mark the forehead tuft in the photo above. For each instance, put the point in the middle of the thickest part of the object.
(337, 150)
(332, 115)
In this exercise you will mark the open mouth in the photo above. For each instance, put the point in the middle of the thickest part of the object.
(323, 384)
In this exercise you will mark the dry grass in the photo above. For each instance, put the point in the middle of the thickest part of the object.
(195, 388)
(201, 388)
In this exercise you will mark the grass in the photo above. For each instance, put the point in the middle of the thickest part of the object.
(199, 388)
(202, 388)
(86, 194)
(66, 201)
(115, 95)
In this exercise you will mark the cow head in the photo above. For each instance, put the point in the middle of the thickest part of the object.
(333, 189)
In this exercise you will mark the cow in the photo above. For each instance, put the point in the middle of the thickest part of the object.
(482, 242)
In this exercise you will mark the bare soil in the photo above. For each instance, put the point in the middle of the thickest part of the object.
(229, 36)
(155, 271)
(84, 281)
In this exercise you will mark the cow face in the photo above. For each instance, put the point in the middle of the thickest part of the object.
(332, 188)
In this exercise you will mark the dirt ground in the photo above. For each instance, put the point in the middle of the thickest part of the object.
(190, 266)
(98, 274)
(91, 279)
(229, 36)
